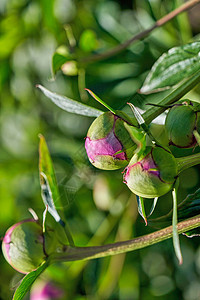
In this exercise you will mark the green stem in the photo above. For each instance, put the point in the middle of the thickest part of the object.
(187, 162)
(174, 96)
(67, 232)
(176, 241)
(87, 253)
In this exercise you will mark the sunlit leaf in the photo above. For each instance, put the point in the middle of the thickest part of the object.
(141, 208)
(153, 206)
(49, 187)
(27, 282)
(100, 101)
(70, 105)
(172, 67)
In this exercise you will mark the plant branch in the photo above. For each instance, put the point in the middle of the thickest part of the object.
(87, 253)
(141, 35)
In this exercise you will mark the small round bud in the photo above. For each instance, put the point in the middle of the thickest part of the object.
(108, 143)
(42, 290)
(23, 246)
(181, 121)
(152, 174)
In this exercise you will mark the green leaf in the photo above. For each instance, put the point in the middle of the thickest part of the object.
(57, 61)
(49, 187)
(27, 282)
(138, 136)
(172, 67)
(155, 200)
(141, 208)
(70, 105)
(100, 101)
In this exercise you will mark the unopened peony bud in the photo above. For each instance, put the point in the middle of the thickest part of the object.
(108, 143)
(152, 174)
(181, 121)
(24, 246)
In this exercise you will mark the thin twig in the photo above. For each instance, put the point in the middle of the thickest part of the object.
(141, 35)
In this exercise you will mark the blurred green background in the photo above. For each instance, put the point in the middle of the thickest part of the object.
(98, 206)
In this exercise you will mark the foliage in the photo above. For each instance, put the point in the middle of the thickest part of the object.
(97, 205)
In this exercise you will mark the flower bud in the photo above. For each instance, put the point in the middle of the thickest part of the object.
(108, 143)
(42, 290)
(151, 174)
(181, 121)
(23, 246)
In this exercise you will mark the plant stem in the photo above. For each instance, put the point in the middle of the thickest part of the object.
(87, 253)
(123, 46)
(174, 96)
(187, 162)
(68, 233)
(176, 241)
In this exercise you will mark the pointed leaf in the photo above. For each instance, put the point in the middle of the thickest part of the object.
(153, 206)
(172, 67)
(57, 61)
(27, 282)
(47, 197)
(49, 188)
(141, 208)
(138, 136)
(70, 105)
(100, 101)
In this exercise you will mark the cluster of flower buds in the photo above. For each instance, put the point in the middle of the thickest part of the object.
(181, 121)
(151, 172)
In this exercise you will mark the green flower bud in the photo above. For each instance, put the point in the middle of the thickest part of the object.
(151, 174)
(108, 143)
(181, 121)
(24, 246)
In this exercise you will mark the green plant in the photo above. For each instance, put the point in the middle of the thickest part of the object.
(161, 176)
